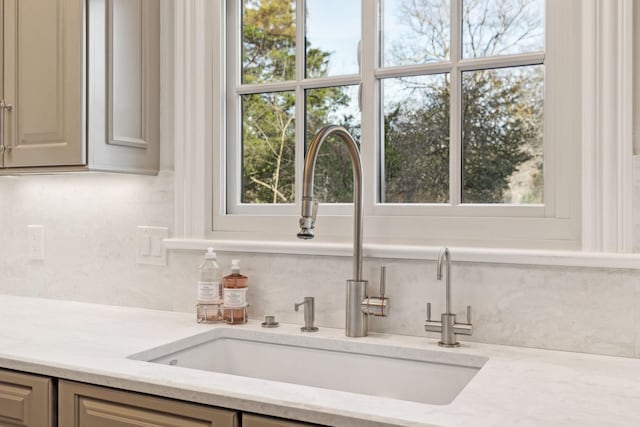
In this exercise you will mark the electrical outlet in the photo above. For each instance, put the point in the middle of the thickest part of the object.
(151, 250)
(35, 242)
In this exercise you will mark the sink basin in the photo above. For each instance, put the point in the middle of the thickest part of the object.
(417, 375)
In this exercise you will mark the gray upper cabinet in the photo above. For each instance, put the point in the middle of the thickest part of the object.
(80, 85)
(124, 85)
(42, 82)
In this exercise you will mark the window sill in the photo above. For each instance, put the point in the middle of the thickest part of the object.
(463, 254)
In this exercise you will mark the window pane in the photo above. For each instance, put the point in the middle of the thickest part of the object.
(503, 135)
(502, 27)
(416, 139)
(333, 182)
(333, 32)
(268, 40)
(415, 31)
(268, 148)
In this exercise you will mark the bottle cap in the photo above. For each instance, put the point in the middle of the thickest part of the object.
(235, 265)
(210, 254)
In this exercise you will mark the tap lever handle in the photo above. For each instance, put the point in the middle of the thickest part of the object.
(314, 211)
(468, 315)
(428, 312)
(374, 306)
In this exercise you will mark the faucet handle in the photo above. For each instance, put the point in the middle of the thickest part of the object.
(464, 328)
(314, 212)
(383, 280)
(377, 306)
(432, 325)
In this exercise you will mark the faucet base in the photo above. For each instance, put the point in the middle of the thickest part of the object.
(309, 329)
(357, 323)
(442, 344)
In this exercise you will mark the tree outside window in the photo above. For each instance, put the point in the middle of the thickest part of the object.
(500, 129)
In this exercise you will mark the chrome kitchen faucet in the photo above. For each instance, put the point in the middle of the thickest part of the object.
(447, 325)
(359, 304)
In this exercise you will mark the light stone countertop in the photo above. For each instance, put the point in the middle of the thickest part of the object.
(517, 386)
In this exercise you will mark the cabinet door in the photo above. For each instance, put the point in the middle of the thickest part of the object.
(25, 400)
(251, 420)
(43, 76)
(82, 405)
(124, 85)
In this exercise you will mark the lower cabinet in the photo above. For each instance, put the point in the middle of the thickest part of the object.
(26, 400)
(252, 420)
(83, 405)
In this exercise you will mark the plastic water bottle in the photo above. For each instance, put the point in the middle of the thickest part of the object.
(209, 289)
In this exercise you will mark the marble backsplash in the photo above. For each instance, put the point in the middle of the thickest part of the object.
(90, 225)
(565, 308)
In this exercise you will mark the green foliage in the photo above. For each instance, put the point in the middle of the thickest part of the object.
(268, 131)
(501, 132)
(502, 119)
(501, 122)
(268, 41)
(333, 182)
(268, 135)
(417, 149)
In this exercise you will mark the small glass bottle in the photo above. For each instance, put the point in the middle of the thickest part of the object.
(209, 291)
(234, 295)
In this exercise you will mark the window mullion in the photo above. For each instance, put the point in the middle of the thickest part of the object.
(300, 97)
(455, 115)
(234, 111)
(370, 140)
(517, 60)
(414, 70)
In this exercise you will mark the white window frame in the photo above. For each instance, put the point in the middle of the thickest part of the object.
(605, 26)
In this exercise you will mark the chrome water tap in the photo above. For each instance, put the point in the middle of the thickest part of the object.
(359, 304)
(447, 325)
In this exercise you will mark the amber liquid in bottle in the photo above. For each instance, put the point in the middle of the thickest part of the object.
(235, 296)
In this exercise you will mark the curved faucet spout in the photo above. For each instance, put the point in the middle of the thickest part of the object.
(307, 219)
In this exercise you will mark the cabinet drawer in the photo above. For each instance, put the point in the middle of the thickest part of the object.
(82, 405)
(251, 420)
(25, 400)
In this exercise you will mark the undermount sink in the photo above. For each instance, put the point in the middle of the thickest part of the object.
(418, 375)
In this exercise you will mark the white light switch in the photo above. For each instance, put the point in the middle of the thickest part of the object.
(151, 250)
(35, 242)
(144, 242)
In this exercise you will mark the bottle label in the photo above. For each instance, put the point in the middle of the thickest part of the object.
(234, 297)
(209, 292)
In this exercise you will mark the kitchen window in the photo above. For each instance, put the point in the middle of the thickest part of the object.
(465, 112)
